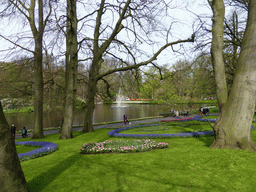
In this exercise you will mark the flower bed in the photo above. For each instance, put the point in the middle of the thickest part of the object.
(122, 146)
(199, 118)
(115, 133)
(46, 148)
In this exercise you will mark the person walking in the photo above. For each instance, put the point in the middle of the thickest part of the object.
(13, 130)
(126, 119)
(24, 132)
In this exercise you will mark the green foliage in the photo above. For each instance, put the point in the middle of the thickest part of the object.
(183, 82)
(20, 110)
(16, 78)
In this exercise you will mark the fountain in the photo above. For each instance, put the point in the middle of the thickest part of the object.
(119, 97)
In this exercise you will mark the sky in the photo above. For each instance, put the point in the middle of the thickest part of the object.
(184, 19)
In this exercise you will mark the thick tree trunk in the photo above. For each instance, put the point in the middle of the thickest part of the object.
(92, 86)
(12, 178)
(71, 70)
(39, 85)
(38, 102)
(90, 106)
(234, 127)
(218, 9)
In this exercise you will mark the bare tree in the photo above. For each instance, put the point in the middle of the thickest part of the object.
(29, 9)
(71, 69)
(233, 126)
(217, 53)
(128, 20)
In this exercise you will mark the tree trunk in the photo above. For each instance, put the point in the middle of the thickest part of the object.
(38, 60)
(234, 127)
(90, 105)
(218, 9)
(92, 86)
(71, 70)
(12, 178)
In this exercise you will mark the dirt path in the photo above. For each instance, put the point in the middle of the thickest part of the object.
(112, 125)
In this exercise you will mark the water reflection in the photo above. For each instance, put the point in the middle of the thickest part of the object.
(102, 113)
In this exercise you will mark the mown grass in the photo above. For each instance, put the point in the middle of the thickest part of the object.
(188, 165)
(25, 148)
(210, 117)
(171, 128)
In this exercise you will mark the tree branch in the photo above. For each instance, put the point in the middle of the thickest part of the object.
(15, 4)
(47, 17)
(117, 29)
(135, 66)
(16, 44)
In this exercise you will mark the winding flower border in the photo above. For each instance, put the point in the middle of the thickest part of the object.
(46, 148)
(115, 133)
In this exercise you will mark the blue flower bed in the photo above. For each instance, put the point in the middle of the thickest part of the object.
(199, 118)
(115, 133)
(46, 148)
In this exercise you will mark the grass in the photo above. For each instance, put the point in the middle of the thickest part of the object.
(211, 117)
(20, 110)
(187, 165)
(25, 148)
(171, 128)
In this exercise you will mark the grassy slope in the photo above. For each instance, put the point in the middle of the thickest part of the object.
(188, 165)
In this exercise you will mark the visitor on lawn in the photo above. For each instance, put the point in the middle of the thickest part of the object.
(177, 113)
(126, 119)
(24, 132)
(200, 110)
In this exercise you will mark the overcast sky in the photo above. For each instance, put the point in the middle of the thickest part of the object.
(186, 19)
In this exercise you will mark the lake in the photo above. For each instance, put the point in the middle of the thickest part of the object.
(102, 113)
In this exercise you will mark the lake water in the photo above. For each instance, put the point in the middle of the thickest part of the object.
(102, 113)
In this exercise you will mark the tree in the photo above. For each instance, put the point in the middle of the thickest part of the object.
(16, 78)
(37, 26)
(11, 175)
(151, 83)
(217, 53)
(71, 70)
(54, 82)
(233, 125)
(232, 46)
(109, 86)
(128, 15)
(202, 81)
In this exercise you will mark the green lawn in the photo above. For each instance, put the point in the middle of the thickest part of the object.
(211, 117)
(25, 148)
(188, 165)
(171, 127)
